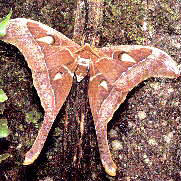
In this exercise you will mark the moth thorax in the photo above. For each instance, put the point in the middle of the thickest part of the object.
(83, 61)
(82, 69)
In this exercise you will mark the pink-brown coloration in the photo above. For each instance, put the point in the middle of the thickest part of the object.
(54, 59)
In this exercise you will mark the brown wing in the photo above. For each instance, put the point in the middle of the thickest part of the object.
(149, 62)
(119, 70)
(49, 56)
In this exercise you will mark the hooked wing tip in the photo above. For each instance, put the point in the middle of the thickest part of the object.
(111, 170)
(168, 68)
(29, 160)
(172, 66)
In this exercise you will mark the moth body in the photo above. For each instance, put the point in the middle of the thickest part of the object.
(83, 66)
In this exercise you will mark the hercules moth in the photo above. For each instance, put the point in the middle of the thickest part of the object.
(54, 59)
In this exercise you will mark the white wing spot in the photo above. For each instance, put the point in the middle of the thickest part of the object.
(47, 39)
(104, 84)
(126, 58)
(58, 76)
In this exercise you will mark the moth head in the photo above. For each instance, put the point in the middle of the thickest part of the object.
(87, 51)
(83, 61)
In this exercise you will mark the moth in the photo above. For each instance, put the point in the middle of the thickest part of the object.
(54, 59)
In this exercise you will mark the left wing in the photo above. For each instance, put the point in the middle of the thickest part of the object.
(50, 58)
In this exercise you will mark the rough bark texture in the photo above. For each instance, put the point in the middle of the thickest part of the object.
(145, 132)
(88, 21)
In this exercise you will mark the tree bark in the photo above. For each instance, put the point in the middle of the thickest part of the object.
(88, 20)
